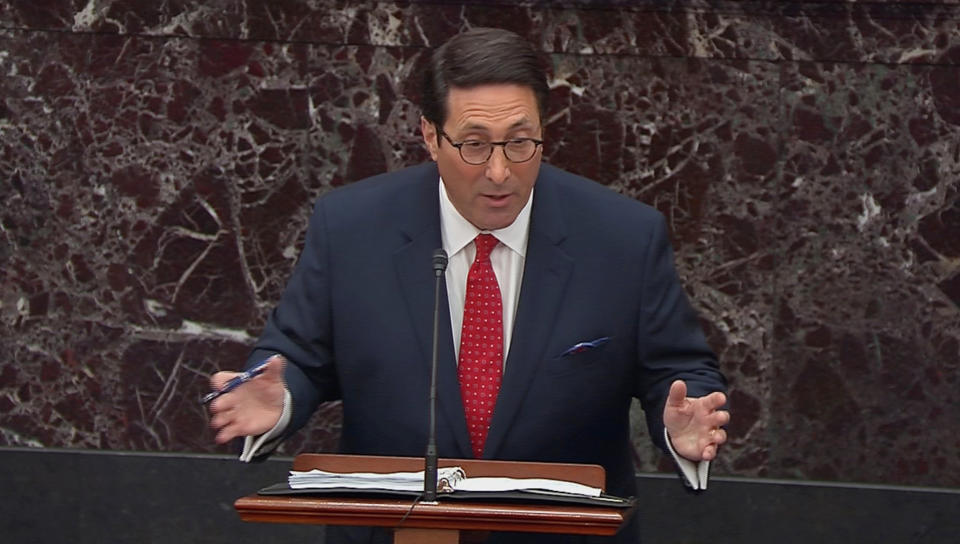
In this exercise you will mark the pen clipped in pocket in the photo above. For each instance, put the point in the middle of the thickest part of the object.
(581, 347)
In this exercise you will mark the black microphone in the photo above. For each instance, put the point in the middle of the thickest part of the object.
(430, 464)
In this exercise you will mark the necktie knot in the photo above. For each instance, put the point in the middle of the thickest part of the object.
(485, 244)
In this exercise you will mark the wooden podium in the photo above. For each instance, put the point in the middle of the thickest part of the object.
(445, 521)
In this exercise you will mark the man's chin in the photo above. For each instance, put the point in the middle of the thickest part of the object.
(496, 220)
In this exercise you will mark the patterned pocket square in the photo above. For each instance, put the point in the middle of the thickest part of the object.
(584, 346)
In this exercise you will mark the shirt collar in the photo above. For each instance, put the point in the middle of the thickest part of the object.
(457, 232)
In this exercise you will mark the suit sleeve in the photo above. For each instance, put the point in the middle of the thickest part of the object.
(670, 340)
(300, 327)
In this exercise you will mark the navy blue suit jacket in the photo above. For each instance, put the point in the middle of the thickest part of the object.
(356, 321)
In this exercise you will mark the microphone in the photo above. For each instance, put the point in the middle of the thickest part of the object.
(430, 460)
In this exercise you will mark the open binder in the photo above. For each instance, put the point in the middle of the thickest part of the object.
(456, 482)
(530, 495)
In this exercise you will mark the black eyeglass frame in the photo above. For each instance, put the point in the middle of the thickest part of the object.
(502, 144)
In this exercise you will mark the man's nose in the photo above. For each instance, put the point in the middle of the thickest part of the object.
(498, 167)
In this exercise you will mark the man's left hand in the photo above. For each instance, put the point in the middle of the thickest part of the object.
(693, 424)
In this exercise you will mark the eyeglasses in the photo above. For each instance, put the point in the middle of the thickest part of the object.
(477, 152)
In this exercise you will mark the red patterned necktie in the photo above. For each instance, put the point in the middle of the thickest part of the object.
(481, 344)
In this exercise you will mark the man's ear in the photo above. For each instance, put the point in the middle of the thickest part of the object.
(429, 136)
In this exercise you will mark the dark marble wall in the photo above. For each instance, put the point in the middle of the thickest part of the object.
(158, 161)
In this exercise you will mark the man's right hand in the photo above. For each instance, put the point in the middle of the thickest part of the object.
(252, 408)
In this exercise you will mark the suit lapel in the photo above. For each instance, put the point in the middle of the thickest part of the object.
(420, 223)
(547, 269)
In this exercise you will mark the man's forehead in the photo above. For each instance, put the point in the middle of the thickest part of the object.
(523, 122)
(478, 106)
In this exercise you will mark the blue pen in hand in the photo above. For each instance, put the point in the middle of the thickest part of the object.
(237, 381)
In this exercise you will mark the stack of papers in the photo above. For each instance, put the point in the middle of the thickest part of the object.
(393, 481)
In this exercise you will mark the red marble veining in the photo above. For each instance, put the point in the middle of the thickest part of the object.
(159, 163)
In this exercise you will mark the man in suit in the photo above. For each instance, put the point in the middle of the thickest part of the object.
(582, 304)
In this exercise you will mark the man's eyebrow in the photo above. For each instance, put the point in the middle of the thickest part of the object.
(475, 126)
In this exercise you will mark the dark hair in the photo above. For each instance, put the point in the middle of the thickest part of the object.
(481, 56)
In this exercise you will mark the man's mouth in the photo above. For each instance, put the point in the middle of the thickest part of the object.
(497, 199)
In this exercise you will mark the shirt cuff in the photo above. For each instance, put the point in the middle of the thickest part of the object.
(695, 473)
(256, 446)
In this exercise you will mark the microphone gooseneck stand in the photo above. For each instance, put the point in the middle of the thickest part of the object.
(430, 461)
